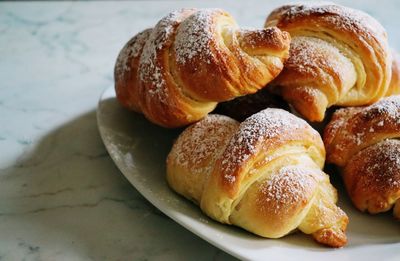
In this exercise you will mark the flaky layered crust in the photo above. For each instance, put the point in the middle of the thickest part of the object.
(263, 175)
(338, 56)
(394, 86)
(176, 72)
(363, 143)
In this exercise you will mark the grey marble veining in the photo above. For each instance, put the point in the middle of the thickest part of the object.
(61, 197)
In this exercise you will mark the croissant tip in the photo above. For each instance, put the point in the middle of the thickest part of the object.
(335, 238)
(267, 40)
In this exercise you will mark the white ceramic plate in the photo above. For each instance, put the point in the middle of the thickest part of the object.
(139, 149)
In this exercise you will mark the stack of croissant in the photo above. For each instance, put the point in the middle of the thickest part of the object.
(261, 167)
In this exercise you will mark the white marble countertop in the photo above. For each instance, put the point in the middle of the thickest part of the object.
(61, 197)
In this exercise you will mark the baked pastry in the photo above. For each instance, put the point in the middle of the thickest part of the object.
(338, 56)
(263, 175)
(394, 86)
(363, 142)
(176, 72)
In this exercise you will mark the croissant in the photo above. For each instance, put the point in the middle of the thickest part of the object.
(363, 142)
(394, 86)
(338, 56)
(176, 72)
(263, 175)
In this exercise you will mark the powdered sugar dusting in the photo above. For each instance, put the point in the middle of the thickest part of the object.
(339, 120)
(289, 187)
(342, 18)
(383, 172)
(139, 41)
(387, 108)
(256, 38)
(352, 128)
(308, 54)
(151, 68)
(385, 111)
(200, 145)
(194, 36)
(131, 50)
(266, 124)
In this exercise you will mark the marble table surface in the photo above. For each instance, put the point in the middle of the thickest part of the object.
(61, 197)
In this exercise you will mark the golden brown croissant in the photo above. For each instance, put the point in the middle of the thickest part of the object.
(394, 86)
(263, 175)
(338, 56)
(363, 142)
(176, 72)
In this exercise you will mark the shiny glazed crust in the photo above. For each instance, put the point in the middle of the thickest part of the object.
(176, 72)
(363, 143)
(338, 56)
(263, 175)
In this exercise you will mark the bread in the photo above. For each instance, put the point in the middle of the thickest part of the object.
(263, 175)
(363, 143)
(394, 86)
(176, 72)
(338, 56)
